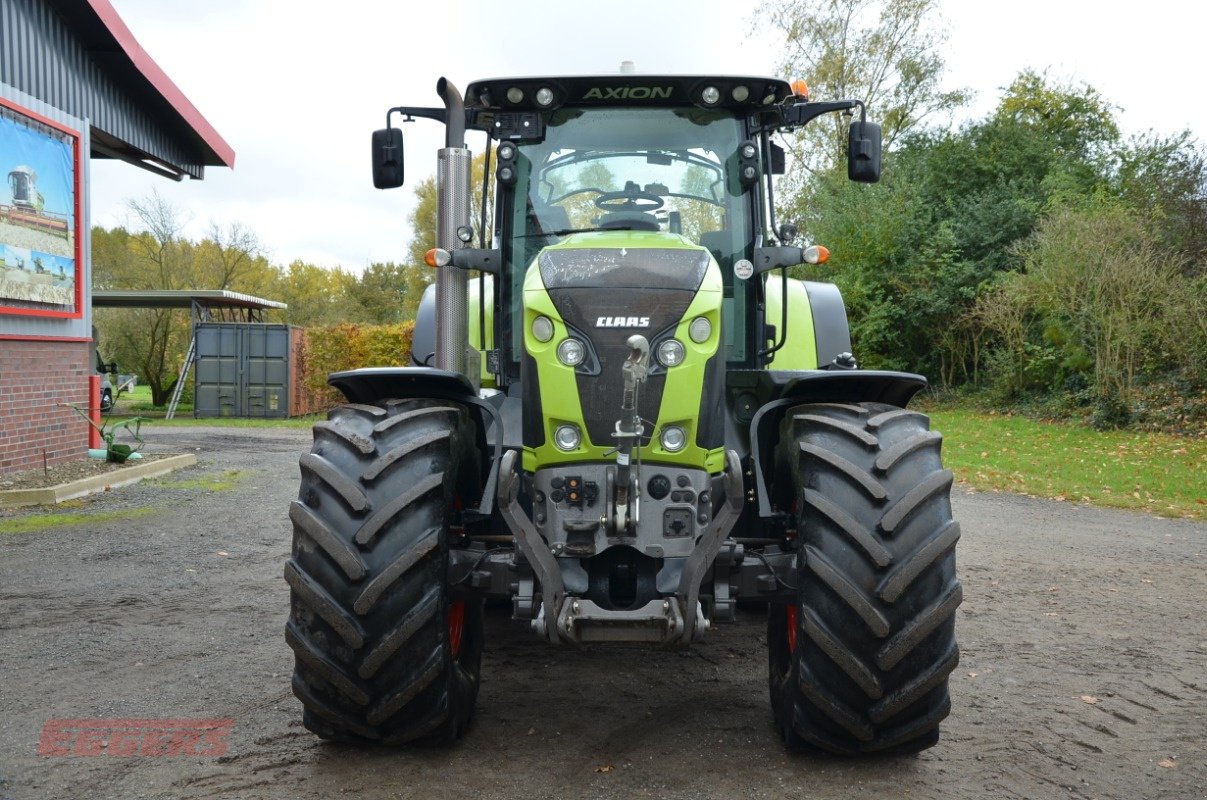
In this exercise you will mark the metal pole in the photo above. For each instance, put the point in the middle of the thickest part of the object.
(452, 324)
(452, 192)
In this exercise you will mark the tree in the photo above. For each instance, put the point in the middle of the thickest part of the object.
(415, 274)
(152, 341)
(381, 293)
(316, 296)
(1098, 270)
(884, 52)
(234, 251)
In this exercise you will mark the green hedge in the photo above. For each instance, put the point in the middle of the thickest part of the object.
(348, 346)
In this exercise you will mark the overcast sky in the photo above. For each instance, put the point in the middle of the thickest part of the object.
(297, 88)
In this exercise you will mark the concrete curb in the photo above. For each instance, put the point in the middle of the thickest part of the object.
(50, 495)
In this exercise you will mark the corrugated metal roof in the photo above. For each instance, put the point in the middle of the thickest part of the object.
(78, 56)
(179, 298)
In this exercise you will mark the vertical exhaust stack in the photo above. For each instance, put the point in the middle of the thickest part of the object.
(453, 199)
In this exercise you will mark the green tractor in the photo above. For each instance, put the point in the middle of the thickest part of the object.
(625, 418)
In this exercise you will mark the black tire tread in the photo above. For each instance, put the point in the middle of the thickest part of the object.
(327, 472)
(368, 575)
(878, 591)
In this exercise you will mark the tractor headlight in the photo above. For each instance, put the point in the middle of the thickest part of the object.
(671, 353)
(571, 352)
(673, 438)
(711, 95)
(700, 330)
(542, 329)
(567, 437)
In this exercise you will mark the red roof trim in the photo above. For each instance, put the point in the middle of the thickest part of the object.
(162, 83)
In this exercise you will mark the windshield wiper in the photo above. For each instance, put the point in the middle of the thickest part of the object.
(567, 231)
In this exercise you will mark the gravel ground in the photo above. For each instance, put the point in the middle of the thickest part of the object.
(1084, 669)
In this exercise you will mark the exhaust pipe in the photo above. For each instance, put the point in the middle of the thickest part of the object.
(452, 200)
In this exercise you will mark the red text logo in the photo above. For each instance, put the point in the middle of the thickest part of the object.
(135, 737)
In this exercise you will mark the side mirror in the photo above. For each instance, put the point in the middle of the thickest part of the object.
(387, 158)
(778, 165)
(863, 152)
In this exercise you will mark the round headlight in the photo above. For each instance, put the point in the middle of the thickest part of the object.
(542, 329)
(567, 437)
(673, 438)
(749, 150)
(740, 93)
(700, 330)
(671, 353)
(515, 94)
(571, 352)
(506, 151)
(544, 96)
(710, 95)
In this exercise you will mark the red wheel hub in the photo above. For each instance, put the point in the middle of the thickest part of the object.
(791, 617)
(456, 626)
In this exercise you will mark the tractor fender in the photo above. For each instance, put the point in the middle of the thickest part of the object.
(830, 329)
(783, 390)
(373, 384)
(423, 339)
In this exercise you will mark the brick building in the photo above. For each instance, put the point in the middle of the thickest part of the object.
(74, 86)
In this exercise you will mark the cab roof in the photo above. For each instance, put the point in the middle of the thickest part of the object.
(738, 93)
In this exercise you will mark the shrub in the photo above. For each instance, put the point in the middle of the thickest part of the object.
(343, 347)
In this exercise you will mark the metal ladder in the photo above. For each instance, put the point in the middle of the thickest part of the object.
(184, 376)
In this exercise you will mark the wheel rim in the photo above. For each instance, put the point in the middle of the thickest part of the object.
(790, 616)
(456, 626)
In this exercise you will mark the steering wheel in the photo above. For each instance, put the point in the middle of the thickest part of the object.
(629, 200)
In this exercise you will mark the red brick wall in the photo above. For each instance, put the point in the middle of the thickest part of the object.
(34, 377)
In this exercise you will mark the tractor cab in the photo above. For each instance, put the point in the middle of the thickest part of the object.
(22, 182)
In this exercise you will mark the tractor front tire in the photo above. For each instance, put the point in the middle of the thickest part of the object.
(860, 662)
(385, 652)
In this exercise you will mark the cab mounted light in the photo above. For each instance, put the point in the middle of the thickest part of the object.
(515, 95)
(710, 96)
(544, 96)
(748, 163)
(505, 173)
(817, 254)
(800, 89)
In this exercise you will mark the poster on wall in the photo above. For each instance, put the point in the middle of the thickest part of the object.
(39, 215)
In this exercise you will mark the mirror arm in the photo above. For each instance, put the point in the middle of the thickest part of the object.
(410, 112)
(794, 116)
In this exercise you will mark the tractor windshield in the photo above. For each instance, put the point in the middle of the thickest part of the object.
(667, 169)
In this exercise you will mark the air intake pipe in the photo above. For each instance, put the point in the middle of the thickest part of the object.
(452, 200)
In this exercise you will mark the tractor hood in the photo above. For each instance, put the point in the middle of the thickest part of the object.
(602, 287)
(624, 260)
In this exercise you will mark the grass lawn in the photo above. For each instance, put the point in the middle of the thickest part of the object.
(1162, 474)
